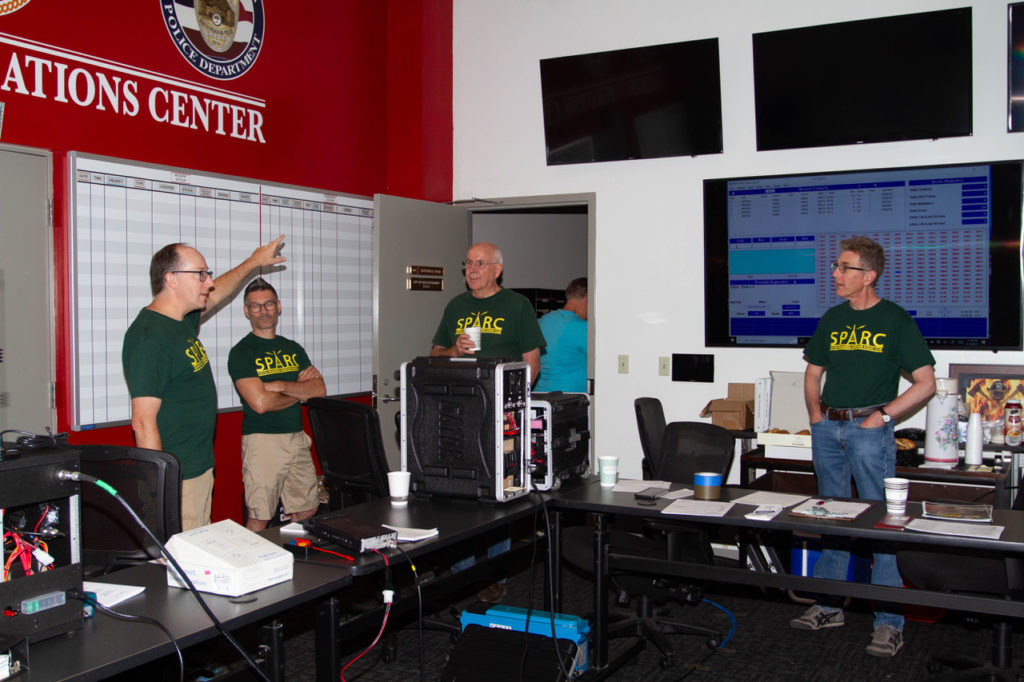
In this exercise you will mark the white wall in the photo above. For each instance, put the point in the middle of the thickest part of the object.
(647, 285)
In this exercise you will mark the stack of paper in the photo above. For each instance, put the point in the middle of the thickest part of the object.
(762, 404)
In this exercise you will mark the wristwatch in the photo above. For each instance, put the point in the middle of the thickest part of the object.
(886, 417)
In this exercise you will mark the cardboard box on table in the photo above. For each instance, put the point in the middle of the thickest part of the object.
(734, 412)
(789, 412)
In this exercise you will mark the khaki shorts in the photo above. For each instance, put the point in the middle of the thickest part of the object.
(278, 466)
(196, 499)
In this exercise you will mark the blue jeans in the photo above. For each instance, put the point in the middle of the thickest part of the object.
(841, 450)
(494, 550)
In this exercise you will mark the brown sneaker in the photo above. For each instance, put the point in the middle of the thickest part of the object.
(492, 594)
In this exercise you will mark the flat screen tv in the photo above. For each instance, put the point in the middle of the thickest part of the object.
(638, 103)
(952, 238)
(878, 80)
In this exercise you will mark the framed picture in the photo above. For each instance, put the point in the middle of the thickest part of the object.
(986, 388)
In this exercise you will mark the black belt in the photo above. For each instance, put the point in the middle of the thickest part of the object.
(846, 414)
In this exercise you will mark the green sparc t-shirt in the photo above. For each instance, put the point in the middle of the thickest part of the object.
(507, 321)
(270, 360)
(163, 358)
(864, 351)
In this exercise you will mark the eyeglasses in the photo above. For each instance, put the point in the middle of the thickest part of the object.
(478, 264)
(842, 267)
(203, 274)
(269, 306)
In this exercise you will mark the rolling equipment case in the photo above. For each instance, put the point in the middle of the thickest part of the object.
(559, 438)
(465, 427)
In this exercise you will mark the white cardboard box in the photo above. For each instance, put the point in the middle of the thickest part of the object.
(789, 412)
(226, 558)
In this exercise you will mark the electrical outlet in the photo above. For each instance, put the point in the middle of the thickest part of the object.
(623, 364)
(664, 366)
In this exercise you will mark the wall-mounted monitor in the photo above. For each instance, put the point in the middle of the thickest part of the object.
(952, 238)
(878, 80)
(1015, 87)
(637, 103)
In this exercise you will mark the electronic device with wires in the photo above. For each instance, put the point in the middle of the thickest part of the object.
(465, 427)
(41, 546)
(349, 532)
(559, 438)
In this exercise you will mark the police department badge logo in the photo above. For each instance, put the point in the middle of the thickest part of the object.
(9, 6)
(221, 38)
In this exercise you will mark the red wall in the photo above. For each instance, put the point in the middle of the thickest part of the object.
(357, 100)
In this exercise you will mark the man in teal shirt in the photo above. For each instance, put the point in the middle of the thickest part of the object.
(563, 363)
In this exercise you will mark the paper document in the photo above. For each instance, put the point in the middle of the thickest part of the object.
(765, 512)
(832, 510)
(633, 486)
(698, 508)
(109, 594)
(967, 530)
(767, 497)
(678, 494)
(978, 513)
(412, 534)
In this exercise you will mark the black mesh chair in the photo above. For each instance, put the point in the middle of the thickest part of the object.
(978, 573)
(685, 448)
(650, 419)
(351, 451)
(150, 482)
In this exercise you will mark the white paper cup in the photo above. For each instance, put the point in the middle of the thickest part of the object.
(896, 490)
(707, 485)
(608, 468)
(474, 335)
(398, 485)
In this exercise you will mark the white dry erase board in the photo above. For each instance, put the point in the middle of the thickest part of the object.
(123, 212)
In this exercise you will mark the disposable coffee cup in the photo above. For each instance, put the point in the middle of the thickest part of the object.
(896, 490)
(398, 486)
(707, 485)
(474, 335)
(608, 468)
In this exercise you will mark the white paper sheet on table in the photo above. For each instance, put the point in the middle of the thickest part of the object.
(678, 494)
(762, 498)
(632, 486)
(698, 508)
(109, 594)
(967, 530)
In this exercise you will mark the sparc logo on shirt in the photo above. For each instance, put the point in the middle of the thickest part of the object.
(276, 362)
(857, 337)
(487, 324)
(197, 354)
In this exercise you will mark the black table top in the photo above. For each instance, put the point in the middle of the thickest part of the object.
(593, 498)
(456, 520)
(106, 645)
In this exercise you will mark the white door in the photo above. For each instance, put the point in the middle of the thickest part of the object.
(26, 292)
(410, 237)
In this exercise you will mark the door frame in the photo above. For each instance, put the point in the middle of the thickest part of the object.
(11, 312)
(588, 199)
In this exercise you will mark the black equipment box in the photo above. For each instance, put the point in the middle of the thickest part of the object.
(559, 438)
(496, 655)
(465, 427)
(41, 549)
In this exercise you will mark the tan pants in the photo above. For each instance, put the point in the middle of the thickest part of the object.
(278, 466)
(196, 500)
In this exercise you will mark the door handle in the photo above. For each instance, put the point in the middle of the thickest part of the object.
(389, 399)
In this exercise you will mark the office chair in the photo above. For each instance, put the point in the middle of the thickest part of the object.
(150, 482)
(685, 448)
(970, 571)
(650, 419)
(348, 441)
